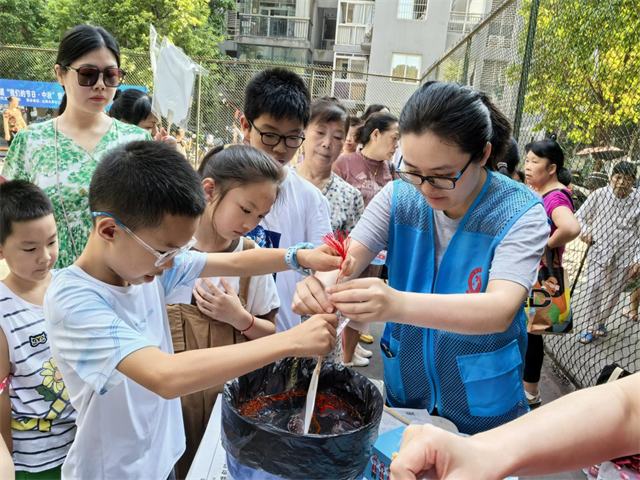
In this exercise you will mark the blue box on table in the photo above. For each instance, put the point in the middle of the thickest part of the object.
(383, 450)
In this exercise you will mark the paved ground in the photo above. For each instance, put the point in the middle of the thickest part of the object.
(585, 362)
(552, 387)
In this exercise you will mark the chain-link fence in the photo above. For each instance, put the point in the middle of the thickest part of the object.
(219, 97)
(572, 69)
(554, 67)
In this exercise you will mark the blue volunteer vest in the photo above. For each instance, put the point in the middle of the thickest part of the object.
(475, 380)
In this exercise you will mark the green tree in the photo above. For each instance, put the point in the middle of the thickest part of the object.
(189, 24)
(218, 9)
(20, 21)
(585, 70)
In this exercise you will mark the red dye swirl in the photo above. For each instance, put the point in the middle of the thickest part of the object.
(332, 414)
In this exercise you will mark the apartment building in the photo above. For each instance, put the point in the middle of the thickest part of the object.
(393, 37)
(295, 31)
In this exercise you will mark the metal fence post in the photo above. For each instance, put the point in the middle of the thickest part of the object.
(465, 65)
(196, 162)
(313, 79)
(524, 77)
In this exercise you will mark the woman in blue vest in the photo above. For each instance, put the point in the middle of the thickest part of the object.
(463, 246)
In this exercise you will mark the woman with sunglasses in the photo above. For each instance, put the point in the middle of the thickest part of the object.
(60, 155)
(463, 246)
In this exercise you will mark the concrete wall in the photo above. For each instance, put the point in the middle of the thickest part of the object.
(391, 35)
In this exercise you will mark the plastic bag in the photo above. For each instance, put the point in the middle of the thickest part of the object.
(261, 446)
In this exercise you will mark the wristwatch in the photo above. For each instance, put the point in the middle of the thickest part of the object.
(291, 258)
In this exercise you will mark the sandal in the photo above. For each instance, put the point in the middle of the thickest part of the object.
(601, 331)
(586, 338)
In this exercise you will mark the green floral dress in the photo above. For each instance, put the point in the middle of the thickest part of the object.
(32, 157)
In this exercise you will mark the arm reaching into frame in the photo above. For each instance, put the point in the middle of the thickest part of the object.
(528, 446)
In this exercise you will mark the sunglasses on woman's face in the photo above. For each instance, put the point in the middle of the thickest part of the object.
(88, 76)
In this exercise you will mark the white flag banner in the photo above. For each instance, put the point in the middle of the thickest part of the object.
(174, 74)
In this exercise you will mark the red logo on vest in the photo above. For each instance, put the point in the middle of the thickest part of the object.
(475, 281)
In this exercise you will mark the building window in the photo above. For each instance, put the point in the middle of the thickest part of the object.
(406, 66)
(350, 86)
(360, 13)
(412, 9)
(285, 8)
(465, 15)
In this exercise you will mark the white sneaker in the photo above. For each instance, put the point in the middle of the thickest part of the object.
(357, 361)
(532, 399)
(363, 352)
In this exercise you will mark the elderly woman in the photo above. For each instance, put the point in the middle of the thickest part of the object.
(325, 138)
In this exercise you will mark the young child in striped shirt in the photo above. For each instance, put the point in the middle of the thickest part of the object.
(37, 420)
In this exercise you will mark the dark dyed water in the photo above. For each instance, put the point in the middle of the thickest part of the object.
(332, 414)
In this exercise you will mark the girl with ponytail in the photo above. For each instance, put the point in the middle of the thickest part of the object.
(545, 173)
(60, 155)
(463, 247)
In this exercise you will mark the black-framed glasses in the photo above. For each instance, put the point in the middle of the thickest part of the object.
(442, 183)
(88, 75)
(273, 139)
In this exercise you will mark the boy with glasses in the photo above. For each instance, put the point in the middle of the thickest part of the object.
(277, 108)
(108, 325)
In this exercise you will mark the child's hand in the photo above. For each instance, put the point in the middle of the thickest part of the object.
(315, 337)
(325, 259)
(366, 300)
(224, 307)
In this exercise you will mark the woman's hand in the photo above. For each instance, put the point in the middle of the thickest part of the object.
(310, 298)
(221, 306)
(325, 259)
(7, 137)
(162, 136)
(366, 300)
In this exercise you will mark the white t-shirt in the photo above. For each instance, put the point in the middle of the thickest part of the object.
(262, 295)
(124, 430)
(43, 426)
(516, 258)
(301, 214)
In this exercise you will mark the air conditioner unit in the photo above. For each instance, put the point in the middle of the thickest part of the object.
(232, 23)
(494, 41)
